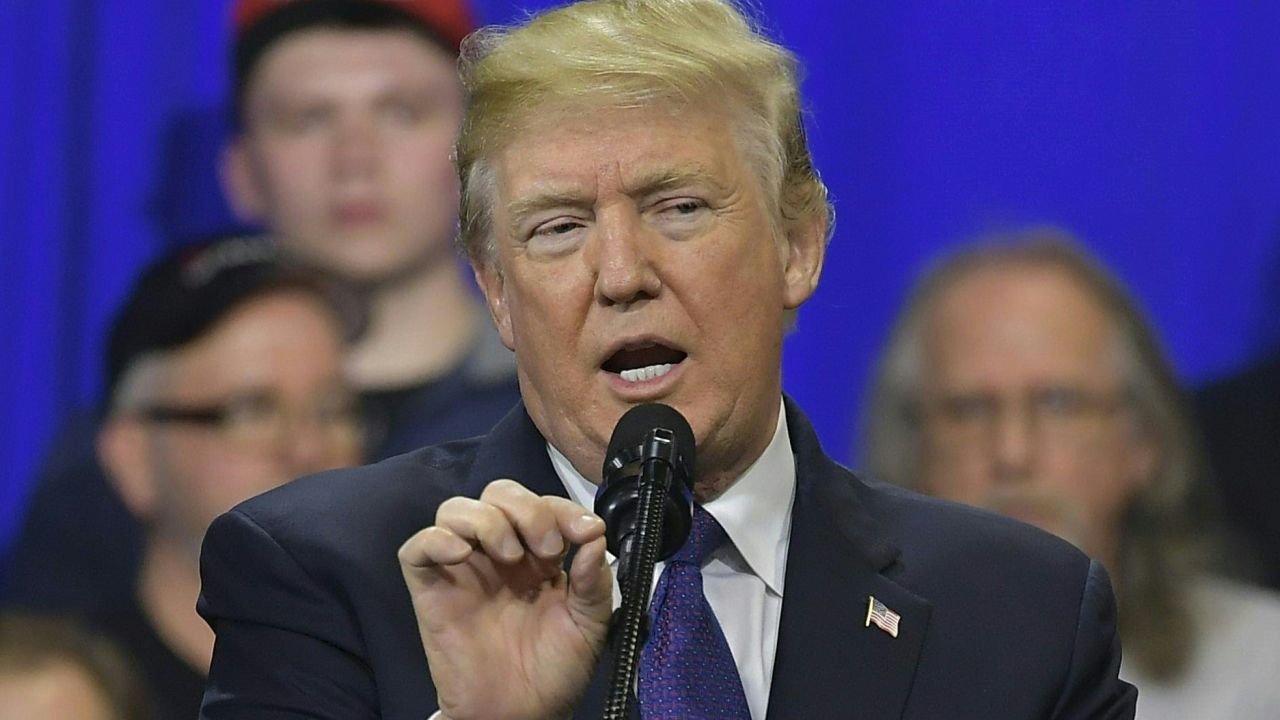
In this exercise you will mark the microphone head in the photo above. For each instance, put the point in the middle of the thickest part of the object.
(616, 500)
(636, 423)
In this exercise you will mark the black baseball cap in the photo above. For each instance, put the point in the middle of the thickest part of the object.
(185, 293)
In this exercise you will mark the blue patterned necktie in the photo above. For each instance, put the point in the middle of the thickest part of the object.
(686, 668)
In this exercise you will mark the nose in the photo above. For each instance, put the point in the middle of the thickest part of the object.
(625, 274)
(307, 447)
(1013, 439)
(355, 147)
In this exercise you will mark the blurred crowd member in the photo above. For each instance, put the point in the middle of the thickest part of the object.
(225, 379)
(1022, 378)
(347, 113)
(225, 375)
(1240, 417)
(53, 668)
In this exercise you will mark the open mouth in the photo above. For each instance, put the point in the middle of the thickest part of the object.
(643, 362)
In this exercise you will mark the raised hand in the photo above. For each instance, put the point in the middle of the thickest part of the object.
(508, 634)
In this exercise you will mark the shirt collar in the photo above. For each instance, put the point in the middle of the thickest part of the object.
(755, 511)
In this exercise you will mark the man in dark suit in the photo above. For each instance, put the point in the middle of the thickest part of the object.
(644, 219)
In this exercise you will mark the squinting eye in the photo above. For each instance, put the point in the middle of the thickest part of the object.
(555, 237)
(687, 206)
(305, 119)
(404, 111)
(968, 407)
(558, 228)
(1060, 400)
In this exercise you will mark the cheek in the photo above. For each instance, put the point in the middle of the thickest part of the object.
(955, 473)
(341, 456)
(423, 161)
(285, 156)
(547, 339)
(295, 182)
(966, 482)
(1096, 479)
(734, 293)
(209, 481)
(742, 258)
(550, 299)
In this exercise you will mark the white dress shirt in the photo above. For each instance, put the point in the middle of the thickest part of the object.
(743, 579)
(1232, 671)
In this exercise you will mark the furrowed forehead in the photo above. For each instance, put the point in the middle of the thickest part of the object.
(636, 151)
(555, 191)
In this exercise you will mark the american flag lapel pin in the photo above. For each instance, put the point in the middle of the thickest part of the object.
(883, 617)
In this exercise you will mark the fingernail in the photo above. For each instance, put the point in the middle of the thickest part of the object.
(585, 523)
(551, 543)
(511, 548)
(460, 547)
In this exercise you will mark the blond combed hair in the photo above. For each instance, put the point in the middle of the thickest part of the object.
(632, 53)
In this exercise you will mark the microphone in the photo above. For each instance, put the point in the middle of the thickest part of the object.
(646, 501)
(656, 440)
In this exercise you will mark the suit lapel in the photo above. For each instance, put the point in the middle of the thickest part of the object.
(514, 449)
(829, 663)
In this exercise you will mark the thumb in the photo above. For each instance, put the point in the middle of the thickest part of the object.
(590, 597)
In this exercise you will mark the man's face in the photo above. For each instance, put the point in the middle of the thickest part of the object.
(1024, 409)
(273, 367)
(636, 263)
(345, 152)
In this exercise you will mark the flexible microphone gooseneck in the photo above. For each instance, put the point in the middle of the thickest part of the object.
(645, 500)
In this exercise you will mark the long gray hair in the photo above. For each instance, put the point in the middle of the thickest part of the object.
(1157, 548)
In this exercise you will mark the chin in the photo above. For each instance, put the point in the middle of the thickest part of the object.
(1049, 513)
(367, 270)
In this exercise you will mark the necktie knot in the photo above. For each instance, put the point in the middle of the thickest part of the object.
(704, 538)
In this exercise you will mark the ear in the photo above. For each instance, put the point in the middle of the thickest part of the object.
(494, 286)
(240, 182)
(122, 450)
(805, 247)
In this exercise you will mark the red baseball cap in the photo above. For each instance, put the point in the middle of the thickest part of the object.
(259, 24)
(450, 19)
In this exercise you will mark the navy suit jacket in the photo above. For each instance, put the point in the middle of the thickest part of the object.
(998, 619)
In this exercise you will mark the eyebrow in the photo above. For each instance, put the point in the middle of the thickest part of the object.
(645, 185)
(656, 180)
(521, 209)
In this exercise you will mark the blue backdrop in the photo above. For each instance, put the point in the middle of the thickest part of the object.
(1152, 129)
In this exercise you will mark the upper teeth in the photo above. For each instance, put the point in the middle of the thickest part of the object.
(648, 372)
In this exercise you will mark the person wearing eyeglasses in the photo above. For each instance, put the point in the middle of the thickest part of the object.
(225, 377)
(1022, 378)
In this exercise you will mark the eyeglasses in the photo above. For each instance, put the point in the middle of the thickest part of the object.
(1054, 412)
(261, 419)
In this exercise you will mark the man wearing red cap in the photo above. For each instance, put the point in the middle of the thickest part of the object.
(347, 112)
